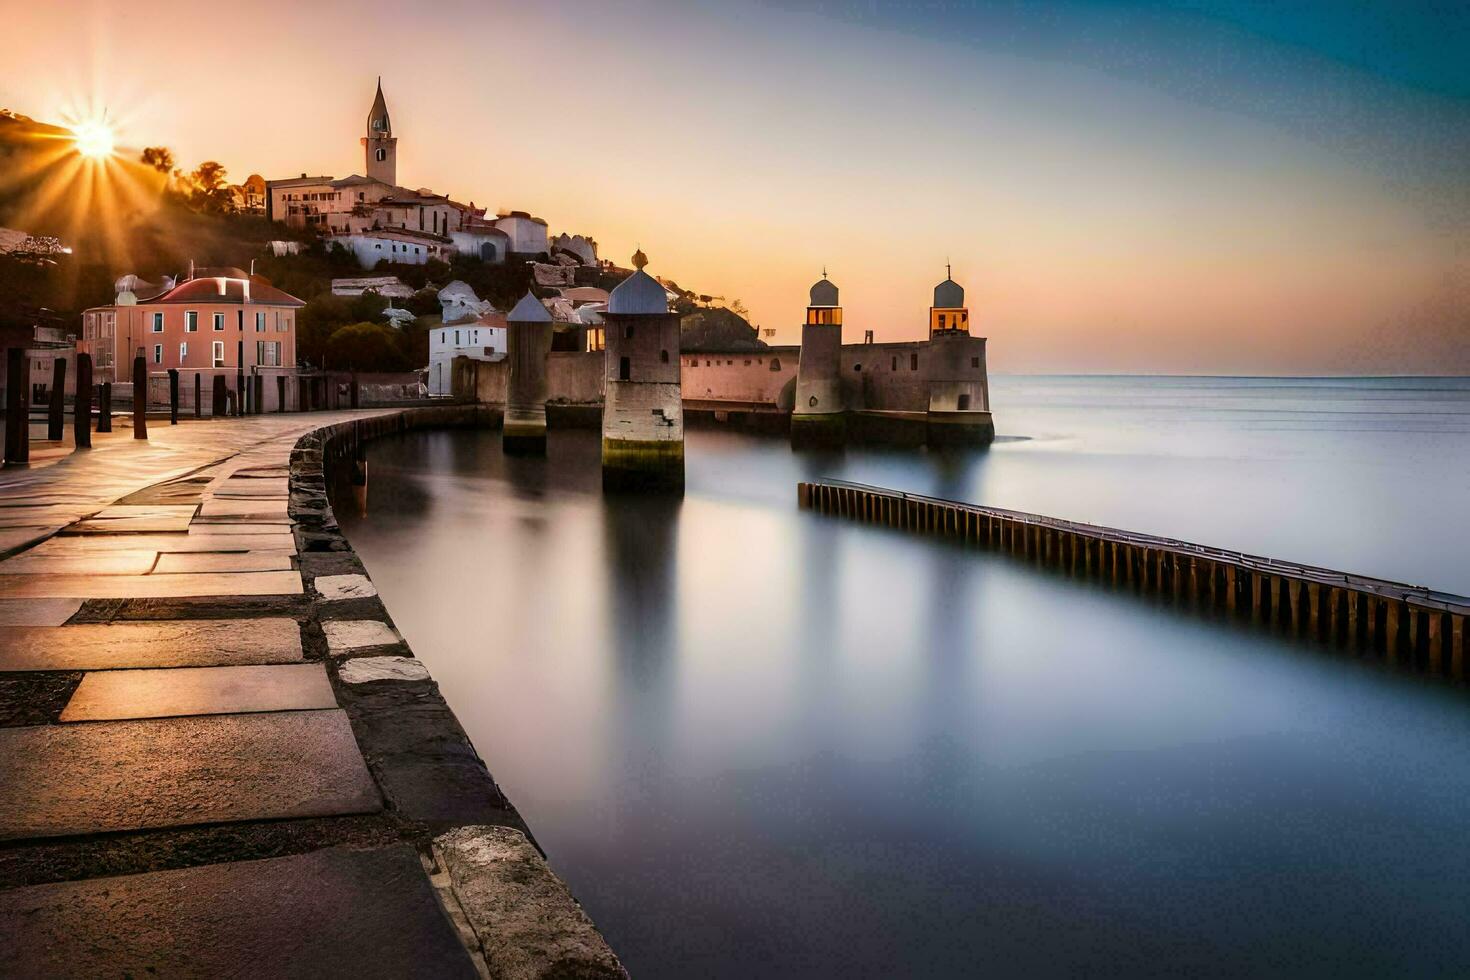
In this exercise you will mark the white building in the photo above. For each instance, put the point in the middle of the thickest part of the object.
(527, 233)
(395, 245)
(482, 339)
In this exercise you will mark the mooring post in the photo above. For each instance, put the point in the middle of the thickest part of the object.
(260, 394)
(56, 406)
(1435, 642)
(17, 407)
(104, 407)
(1412, 615)
(354, 389)
(218, 398)
(140, 398)
(280, 393)
(1391, 630)
(1457, 647)
(173, 396)
(198, 392)
(81, 409)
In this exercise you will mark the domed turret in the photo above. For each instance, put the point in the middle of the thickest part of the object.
(824, 292)
(640, 293)
(949, 295)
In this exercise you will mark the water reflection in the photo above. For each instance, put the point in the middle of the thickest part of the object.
(759, 742)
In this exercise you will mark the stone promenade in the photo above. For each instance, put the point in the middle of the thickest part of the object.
(218, 757)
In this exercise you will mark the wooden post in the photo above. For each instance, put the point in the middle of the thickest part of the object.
(1435, 641)
(1457, 647)
(104, 407)
(140, 398)
(280, 392)
(173, 396)
(1294, 588)
(81, 409)
(1353, 599)
(56, 406)
(1412, 615)
(198, 402)
(1230, 589)
(217, 397)
(260, 394)
(17, 407)
(1391, 630)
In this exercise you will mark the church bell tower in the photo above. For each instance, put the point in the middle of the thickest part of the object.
(379, 146)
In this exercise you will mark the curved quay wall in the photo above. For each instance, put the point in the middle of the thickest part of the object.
(1403, 626)
(511, 909)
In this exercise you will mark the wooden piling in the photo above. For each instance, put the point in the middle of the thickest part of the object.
(56, 406)
(17, 407)
(104, 407)
(81, 409)
(140, 398)
(173, 396)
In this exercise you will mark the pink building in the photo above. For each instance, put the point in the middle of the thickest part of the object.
(220, 320)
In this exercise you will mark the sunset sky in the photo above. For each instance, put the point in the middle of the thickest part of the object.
(1204, 187)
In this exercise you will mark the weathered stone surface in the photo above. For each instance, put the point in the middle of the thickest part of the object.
(111, 695)
(149, 586)
(110, 563)
(268, 507)
(103, 544)
(363, 670)
(528, 924)
(169, 772)
(181, 643)
(344, 586)
(236, 561)
(353, 634)
(35, 698)
(130, 518)
(36, 612)
(333, 912)
(222, 527)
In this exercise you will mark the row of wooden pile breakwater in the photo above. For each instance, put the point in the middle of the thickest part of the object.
(1405, 625)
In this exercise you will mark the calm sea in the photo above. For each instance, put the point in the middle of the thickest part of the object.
(757, 742)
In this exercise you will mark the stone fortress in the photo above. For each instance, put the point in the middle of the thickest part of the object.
(641, 388)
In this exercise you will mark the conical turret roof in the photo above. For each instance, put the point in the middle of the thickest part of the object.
(528, 310)
(640, 293)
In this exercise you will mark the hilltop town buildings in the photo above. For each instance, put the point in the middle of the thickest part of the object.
(376, 219)
(219, 320)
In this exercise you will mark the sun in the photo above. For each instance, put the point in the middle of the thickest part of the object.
(93, 139)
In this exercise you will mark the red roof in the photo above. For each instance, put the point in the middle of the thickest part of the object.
(206, 289)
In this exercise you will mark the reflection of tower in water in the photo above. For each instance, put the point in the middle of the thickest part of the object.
(641, 546)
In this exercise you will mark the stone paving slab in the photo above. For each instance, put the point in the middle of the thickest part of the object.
(364, 670)
(353, 634)
(111, 695)
(242, 561)
(343, 587)
(36, 612)
(99, 544)
(252, 507)
(172, 772)
(149, 586)
(226, 528)
(132, 519)
(179, 643)
(113, 563)
(334, 912)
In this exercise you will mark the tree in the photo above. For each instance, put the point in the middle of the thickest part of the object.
(208, 190)
(160, 158)
(367, 347)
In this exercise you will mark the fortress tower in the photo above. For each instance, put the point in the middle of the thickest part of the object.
(642, 409)
(959, 394)
(817, 417)
(379, 146)
(528, 334)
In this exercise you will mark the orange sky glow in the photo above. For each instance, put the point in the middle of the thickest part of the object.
(1099, 222)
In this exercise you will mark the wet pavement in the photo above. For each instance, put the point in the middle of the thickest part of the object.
(174, 615)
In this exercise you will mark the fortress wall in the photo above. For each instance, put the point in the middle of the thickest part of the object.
(744, 377)
(887, 377)
(575, 377)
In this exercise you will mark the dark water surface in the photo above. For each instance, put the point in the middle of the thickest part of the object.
(757, 742)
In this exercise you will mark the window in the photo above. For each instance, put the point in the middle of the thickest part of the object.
(283, 323)
(378, 246)
(268, 353)
(157, 353)
(974, 362)
(775, 364)
(183, 353)
(625, 369)
(694, 362)
(158, 323)
(456, 338)
(663, 357)
(628, 331)
(914, 362)
(260, 322)
(217, 353)
(964, 403)
(191, 321)
(857, 367)
(219, 321)
(941, 321)
(894, 366)
(381, 154)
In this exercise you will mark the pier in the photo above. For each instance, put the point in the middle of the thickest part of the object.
(1405, 626)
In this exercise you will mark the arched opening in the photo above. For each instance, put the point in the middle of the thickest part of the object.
(487, 251)
(381, 155)
(625, 368)
(964, 403)
(663, 356)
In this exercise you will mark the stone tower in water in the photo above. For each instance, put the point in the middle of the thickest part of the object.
(817, 416)
(959, 393)
(642, 409)
(528, 342)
